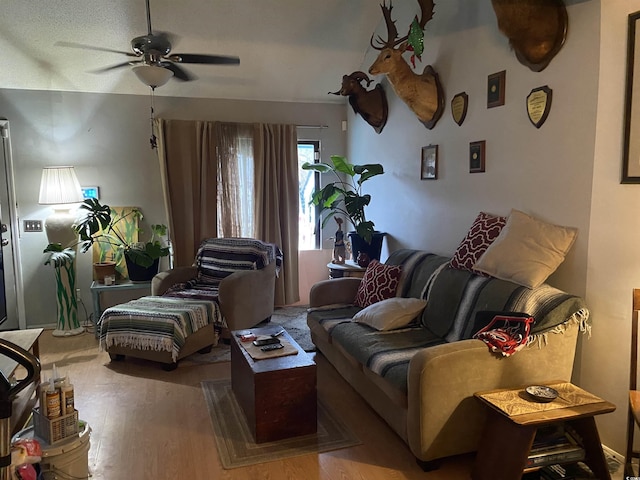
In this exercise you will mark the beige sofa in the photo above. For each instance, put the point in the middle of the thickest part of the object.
(426, 393)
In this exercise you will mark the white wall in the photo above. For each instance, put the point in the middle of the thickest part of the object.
(106, 138)
(613, 267)
(546, 172)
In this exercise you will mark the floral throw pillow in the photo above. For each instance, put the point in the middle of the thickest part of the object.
(483, 232)
(380, 282)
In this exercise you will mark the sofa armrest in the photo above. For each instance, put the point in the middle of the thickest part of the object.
(443, 416)
(338, 290)
(246, 297)
(165, 280)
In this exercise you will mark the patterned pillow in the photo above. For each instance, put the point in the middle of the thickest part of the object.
(380, 282)
(482, 233)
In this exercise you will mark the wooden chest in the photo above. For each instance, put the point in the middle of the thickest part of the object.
(277, 395)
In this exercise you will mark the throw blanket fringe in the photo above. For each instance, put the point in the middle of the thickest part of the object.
(134, 341)
(581, 317)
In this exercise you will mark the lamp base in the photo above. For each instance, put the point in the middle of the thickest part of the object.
(67, 333)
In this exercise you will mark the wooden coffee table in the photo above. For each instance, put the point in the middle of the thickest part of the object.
(278, 395)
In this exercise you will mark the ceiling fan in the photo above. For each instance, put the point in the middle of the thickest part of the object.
(155, 63)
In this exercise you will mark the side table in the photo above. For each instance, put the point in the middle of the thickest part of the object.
(513, 419)
(347, 269)
(122, 285)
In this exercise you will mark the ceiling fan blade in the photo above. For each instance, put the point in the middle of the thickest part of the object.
(178, 72)
(91, 47)
(210, 59)
(113, 67)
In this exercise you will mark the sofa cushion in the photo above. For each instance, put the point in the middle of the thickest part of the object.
(391, 313)
(456, 296)
(419, 269)
(385, 353)
(483, 232)
(527, 250)
(380, 281)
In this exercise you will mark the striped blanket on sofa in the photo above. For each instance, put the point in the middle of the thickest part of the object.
(156, 323)
(454, 298)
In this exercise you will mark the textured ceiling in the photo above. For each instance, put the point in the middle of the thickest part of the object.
(290, 50)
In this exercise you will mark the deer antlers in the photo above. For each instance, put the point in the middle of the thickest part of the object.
(426, 14)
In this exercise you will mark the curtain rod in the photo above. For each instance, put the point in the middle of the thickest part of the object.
(312, 126)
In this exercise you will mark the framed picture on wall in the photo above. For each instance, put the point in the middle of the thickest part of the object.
(477, 156)
(495, 89)
(631, 153)
(429, 163)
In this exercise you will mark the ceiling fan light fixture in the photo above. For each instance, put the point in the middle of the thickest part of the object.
(153, 76)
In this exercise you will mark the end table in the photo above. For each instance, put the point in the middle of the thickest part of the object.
(513, 420)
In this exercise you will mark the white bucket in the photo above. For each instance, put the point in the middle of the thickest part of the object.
(66, 460)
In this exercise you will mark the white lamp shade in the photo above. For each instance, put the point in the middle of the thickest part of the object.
(59, 185)
(153, 76)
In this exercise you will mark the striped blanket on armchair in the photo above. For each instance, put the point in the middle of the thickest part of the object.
(156, 323)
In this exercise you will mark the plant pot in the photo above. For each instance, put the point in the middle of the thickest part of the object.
(372, 249)
(104, 269)
(138, 273)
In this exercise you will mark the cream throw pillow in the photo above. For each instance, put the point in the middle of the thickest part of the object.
(392, 313)
(527, 250)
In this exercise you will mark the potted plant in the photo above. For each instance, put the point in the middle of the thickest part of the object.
(344, 197)
(99, 225)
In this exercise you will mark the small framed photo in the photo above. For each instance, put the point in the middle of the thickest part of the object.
(429, 163)
(495, 89)
(476, 156)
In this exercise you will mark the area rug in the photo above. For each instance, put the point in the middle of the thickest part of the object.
(292, 319)
(235, 443)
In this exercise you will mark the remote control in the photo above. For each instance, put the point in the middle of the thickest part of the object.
(265, 341)
(273, 346)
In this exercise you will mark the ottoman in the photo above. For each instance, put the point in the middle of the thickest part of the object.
(161, 329)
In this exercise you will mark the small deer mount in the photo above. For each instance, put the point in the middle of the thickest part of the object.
(370, 104)
(422, 93)
(536, 29)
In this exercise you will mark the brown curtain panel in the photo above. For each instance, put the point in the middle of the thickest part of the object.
(186, 150)
(276, 193)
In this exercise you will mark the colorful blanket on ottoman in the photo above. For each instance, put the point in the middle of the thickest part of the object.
(156, 323)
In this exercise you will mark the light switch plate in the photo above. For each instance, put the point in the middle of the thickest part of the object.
(32, 225)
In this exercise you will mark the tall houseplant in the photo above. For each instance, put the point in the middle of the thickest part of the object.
(344, 195)
(98, 225)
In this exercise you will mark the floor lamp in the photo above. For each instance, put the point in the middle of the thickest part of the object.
(59, 187)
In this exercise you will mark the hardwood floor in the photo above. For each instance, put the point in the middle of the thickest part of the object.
(150, 424)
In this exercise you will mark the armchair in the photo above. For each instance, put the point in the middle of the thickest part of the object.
(238, 273)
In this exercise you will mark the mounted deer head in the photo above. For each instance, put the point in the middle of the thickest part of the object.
(370, 104)
(422, 93)
(536, 29)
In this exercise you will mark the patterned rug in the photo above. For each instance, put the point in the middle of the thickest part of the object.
(235, 443)
(292, 319)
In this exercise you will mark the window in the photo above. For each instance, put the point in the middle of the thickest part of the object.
(308, 181)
